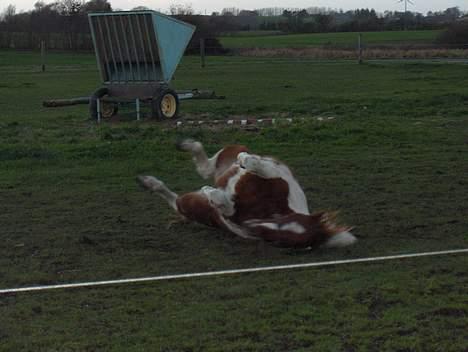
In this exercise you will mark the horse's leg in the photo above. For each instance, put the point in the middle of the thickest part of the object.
(195, 206)
(152, 184)
(216, 165)
(205, 167)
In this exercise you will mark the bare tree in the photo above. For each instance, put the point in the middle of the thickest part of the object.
(230, 11)
(8, 14)
(69, 7)
(181, 10)
(39, 6)
(97, 6)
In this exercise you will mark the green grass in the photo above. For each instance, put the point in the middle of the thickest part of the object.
(393, 160)
(334, 39)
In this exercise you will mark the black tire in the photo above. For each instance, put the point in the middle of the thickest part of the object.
(165, 105)
(107, 111)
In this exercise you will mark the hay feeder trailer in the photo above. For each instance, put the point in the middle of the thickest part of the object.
(137, 54)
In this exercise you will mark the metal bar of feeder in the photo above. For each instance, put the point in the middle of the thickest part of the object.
(148, 78)
(127, 47)
(103, 48)
(115, 73)
(98, 57)
(117, 40)
(137, 59)
(153, 61)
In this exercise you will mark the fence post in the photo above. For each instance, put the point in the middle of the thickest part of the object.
(360, 48)
(202, 52)
(43, 53)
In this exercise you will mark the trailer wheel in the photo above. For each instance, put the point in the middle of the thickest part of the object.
(107, 109)
(166, 104)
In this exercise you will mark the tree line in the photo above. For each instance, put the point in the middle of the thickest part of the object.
(64, 24)
(360, 20)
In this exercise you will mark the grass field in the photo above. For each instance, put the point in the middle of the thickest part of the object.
(393, 160)
(347, 39)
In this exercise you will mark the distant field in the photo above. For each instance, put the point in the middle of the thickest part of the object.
(258, 33)
(392, 159)
(334, 39)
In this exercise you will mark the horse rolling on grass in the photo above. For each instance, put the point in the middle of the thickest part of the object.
(255, 197)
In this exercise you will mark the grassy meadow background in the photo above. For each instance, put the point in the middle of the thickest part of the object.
(396, 45)
(346, 39)
(390, 153)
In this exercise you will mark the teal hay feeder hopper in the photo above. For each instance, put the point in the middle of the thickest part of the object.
(137, 54)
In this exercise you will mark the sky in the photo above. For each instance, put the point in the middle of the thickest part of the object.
(208, 6)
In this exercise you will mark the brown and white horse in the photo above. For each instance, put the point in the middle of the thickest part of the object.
(254, 197)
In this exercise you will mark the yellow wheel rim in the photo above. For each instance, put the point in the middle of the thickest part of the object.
(168, 105)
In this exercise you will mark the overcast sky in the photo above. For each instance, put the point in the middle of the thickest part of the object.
(200, 6)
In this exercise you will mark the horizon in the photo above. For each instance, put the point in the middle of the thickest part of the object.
(206, 7)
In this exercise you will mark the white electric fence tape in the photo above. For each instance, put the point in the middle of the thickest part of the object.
(229, 272)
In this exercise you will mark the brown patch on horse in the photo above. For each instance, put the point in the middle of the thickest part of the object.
(196, 207)
(316, 233)
(259, 198)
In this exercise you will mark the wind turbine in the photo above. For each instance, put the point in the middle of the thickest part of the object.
(406, 10)
(406, 4)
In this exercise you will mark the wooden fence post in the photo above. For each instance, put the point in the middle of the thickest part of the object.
(360, 48)
(43, 53)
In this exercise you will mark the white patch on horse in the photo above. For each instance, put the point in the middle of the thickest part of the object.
(293, 227)
(230, 189)
(341, 239)
(222, 198)
(268, 225)
(219, 199)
